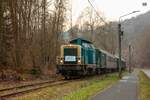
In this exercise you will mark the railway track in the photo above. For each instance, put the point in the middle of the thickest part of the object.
(18, 90)
(6, 93)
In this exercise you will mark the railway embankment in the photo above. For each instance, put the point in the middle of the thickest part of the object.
(77, 89)
(147, 72)
(144, 86)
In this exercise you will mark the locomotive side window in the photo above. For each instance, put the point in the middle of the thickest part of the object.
(87, 45)
(91, 46)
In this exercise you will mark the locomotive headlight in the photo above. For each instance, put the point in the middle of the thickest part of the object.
(79, 61)
(61, 61)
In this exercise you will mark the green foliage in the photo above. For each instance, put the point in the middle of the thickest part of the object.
(35, 71)
(144, 87)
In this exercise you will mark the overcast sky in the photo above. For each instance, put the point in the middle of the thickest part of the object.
(112, 9)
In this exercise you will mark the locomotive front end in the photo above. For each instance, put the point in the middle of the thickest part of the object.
(69, 55)
(69, 62)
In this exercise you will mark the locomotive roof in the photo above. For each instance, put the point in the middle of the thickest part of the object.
(109, 54)
(121, 58)
(82, 39)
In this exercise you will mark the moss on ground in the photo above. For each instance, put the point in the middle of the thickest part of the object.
(144, 87)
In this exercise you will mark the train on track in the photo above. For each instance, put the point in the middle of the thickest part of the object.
(81, 58)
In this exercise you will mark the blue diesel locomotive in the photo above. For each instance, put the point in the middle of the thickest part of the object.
(80, 57)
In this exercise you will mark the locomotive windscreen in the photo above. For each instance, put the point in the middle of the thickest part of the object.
(70, 55)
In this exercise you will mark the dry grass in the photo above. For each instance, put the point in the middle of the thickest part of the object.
(144, 87)
(60, 91)
(50, 93)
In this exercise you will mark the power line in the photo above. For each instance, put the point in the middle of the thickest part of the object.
(97, 12)
(99, 16)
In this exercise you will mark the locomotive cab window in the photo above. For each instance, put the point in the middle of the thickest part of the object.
(70, 54)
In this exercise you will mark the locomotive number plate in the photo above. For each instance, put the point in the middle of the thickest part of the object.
(70, 58)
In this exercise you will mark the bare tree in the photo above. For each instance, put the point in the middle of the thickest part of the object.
(90, 25)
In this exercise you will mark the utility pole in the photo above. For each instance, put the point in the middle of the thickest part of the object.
(129, 58)
(120, 33)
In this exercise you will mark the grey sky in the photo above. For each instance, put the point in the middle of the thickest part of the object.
(112, 9)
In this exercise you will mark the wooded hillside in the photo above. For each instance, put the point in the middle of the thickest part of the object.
(29, 32)
(137, 33)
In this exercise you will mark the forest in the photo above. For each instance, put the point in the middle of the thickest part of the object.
(29, 33)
